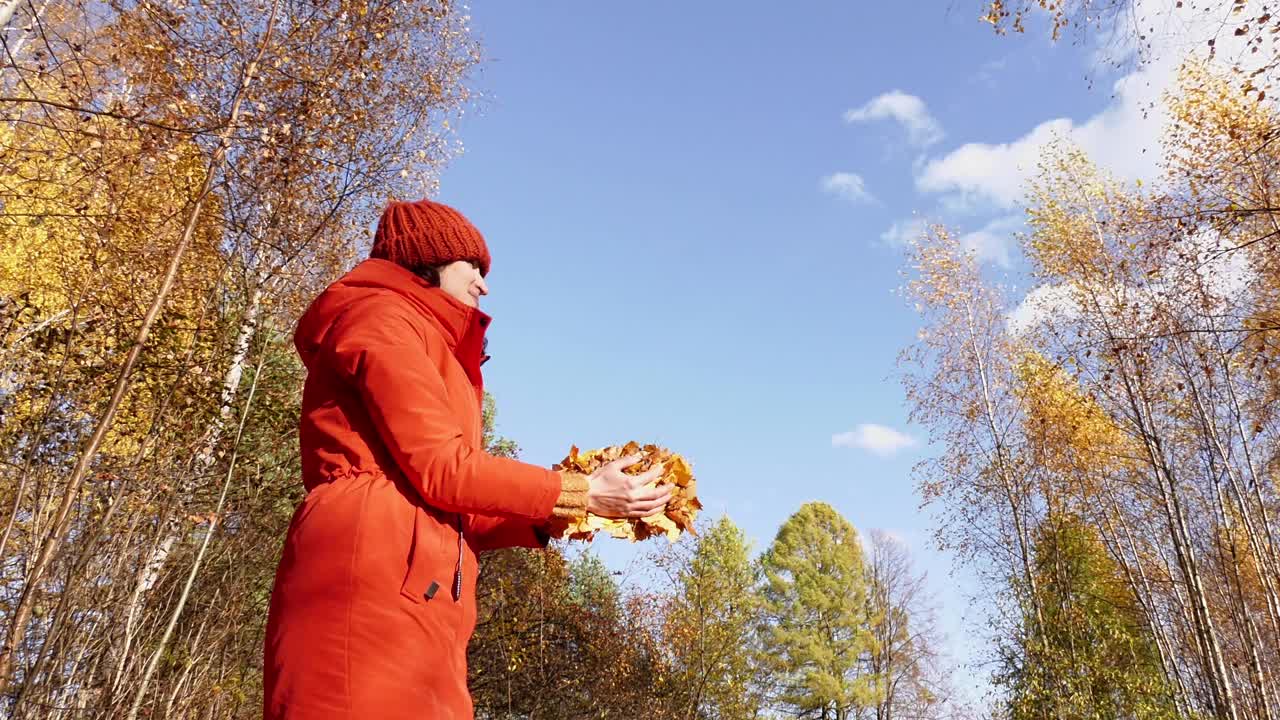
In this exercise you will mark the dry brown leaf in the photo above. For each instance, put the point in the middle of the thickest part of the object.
(680, 512)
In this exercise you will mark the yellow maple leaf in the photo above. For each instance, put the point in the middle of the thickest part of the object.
(676, 518)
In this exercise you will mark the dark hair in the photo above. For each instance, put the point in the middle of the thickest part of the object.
(429, 273)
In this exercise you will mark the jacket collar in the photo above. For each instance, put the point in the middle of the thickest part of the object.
(460, 324)
(462, 327)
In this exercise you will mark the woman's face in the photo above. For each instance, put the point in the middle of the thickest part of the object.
(461, 279)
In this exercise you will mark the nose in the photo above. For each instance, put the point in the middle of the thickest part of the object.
(480, 284)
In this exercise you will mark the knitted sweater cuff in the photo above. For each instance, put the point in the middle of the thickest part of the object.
(572, 502)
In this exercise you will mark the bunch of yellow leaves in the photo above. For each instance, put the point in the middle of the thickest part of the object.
(676, 471)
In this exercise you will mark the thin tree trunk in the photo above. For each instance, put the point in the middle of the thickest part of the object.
(186, 674)
(22, 612)
(1145, 595)
(1231, 565)
(1224, 705)
(1220, 681)
(214, 523)
(1005, 474)
(205, 457)
(132, 608)
(1268, 557)
(1259, 553)
(43, 424)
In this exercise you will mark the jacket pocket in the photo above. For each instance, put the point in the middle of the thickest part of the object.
(421, 583)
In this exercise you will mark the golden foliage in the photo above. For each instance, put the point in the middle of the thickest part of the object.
(1068, 429)
(680, 512)
(87, 223)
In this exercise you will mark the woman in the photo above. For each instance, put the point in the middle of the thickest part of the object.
(374, 600)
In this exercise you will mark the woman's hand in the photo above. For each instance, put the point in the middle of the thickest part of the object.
(612, 493)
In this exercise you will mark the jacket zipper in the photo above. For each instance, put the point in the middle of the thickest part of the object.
(457, 573)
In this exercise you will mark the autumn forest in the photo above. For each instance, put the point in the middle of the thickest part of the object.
(178, 180)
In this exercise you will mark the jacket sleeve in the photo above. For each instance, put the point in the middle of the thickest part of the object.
(495, 533)
(377, 346)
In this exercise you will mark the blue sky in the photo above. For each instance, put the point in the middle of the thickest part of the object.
(690, 208)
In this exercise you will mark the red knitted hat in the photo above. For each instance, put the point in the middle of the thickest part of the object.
(425, 234)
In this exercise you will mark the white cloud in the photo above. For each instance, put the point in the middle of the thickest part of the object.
(994, 242)
(963, 204)
(904, 231)
(878, 439)
(1041, 304)
(908, 110)
(1123, 137)
(1224, 272)
(847, 185)
(1221, 276)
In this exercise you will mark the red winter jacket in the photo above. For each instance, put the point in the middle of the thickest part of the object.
(374, 599)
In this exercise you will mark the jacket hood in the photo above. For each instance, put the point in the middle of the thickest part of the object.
(458, 323)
